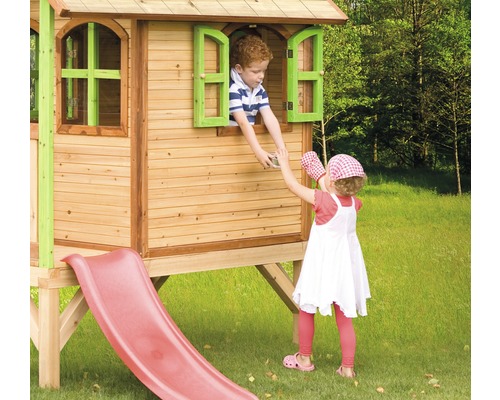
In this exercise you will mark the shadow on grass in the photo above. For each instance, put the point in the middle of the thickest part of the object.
(441, 182)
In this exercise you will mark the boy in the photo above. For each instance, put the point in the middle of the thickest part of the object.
(250, 57)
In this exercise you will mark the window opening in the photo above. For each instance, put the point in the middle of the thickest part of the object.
(34, 75)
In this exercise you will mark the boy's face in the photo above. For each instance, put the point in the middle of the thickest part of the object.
(253, 75)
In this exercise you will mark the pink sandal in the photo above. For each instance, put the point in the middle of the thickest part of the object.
(291, 361)
(340, 371)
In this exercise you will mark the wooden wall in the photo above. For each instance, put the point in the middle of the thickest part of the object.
(205, 188)
(201, 188)
(92, 181)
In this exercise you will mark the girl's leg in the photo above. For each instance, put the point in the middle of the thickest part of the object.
(306, 333)
(347, 338)
(306, 336)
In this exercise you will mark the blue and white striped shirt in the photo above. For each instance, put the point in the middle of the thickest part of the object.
(242, 97)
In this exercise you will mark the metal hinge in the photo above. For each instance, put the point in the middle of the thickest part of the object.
(288, 53)
(288, 105)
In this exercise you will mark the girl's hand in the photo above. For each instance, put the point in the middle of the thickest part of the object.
(282, 155)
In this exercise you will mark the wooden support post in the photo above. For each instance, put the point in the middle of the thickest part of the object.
(71, 317)
(284, 287)
(49, 338)
(34, 323)
(280, 282)
(297, 266)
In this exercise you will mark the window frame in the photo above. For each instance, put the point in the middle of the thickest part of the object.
(290, 95)
(97, 130)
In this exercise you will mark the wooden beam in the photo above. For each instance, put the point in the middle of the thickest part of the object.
(297, 267)
(213, 260)
(279, 280)
(71, 317)
(158, 281)
(138, 138)
(46, 138)
(34, 324)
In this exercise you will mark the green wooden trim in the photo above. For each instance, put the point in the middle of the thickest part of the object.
(75, 73)
(315, 75)
(46, 139)
(92, 59)
(70, 86)
(107, 74)
(202, 78)
(85, 74)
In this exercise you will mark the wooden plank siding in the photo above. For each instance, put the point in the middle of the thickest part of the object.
(204, 188)
(92, 184)
(198, 188)
(92, 190)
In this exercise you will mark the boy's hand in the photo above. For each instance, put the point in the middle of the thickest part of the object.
(264, 158)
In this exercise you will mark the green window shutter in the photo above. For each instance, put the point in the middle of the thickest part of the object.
(314, 76)
(203, 78)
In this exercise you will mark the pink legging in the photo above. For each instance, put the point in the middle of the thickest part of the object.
(346, 334)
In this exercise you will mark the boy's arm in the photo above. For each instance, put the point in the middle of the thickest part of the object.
(262, 156)
(273, 126)
(305, 193)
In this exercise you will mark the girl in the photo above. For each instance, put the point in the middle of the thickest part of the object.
(333, 270)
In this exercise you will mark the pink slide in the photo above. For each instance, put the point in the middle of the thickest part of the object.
(127, 307)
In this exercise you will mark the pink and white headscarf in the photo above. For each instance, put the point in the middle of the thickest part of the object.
(343, 166)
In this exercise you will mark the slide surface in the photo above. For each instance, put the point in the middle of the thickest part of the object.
(127, 307)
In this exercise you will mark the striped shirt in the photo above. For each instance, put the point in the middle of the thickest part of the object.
(242, 97)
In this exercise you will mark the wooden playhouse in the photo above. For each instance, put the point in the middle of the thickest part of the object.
(130, 145)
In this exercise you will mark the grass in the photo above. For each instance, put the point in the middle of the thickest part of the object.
(416, 244)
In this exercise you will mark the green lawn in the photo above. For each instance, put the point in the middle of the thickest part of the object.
(414, 343)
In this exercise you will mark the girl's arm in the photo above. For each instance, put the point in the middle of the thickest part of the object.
(321, 183)
(305, 193)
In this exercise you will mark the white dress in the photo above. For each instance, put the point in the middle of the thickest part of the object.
(333, 269)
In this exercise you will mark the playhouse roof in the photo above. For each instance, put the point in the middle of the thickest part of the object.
(262, 11)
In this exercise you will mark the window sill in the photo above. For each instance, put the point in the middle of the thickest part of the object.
(259, 129)
(92, 130)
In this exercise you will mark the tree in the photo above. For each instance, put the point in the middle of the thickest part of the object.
(393, 89)
(344, 85)
(449, 91)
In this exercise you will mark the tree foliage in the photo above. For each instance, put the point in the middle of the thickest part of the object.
(397, 84)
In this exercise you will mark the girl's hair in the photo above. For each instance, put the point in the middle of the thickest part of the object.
(350, 186)
(249, 49)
